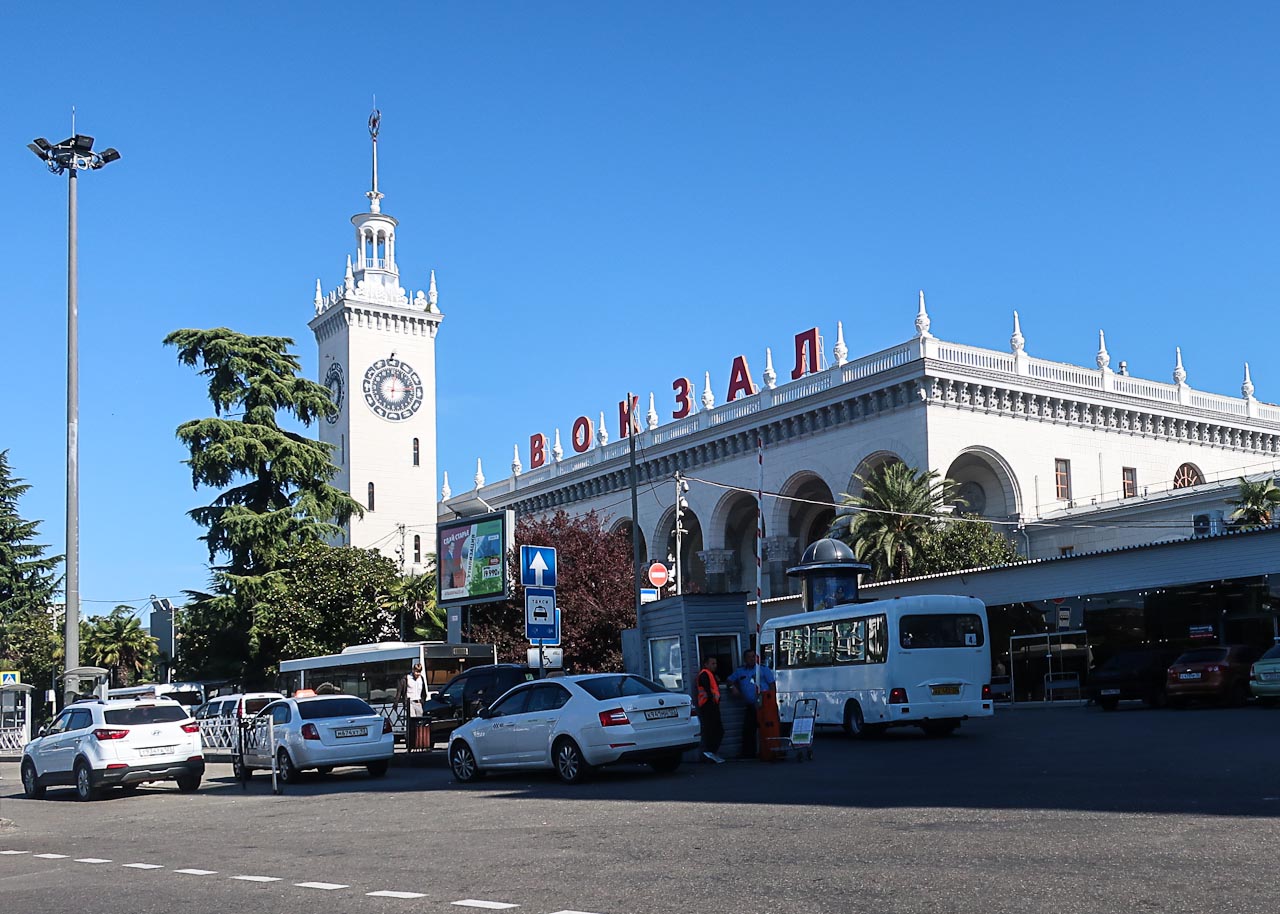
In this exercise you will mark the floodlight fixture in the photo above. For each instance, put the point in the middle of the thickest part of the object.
(110, 154)
(81, 143)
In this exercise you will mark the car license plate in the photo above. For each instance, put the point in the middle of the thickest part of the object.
(945, 689)
(1268, 677)
(157, 750)
(1110, 692)
(1188, 675)
(661, 713)
(348, 732)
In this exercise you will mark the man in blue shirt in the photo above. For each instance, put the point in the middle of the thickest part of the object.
(742, 682)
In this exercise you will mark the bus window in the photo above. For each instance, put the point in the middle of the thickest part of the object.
(940, 630)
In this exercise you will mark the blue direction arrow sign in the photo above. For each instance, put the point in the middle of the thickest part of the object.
(538, 566)
(541, 620)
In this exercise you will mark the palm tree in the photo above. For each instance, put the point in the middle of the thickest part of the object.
(899, 506)
(416, 598)
(117, 642)
(1257, 503)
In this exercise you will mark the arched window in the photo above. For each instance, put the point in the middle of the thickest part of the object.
(415, 452)
(370, 496)
(1188, 475)
(417, 550)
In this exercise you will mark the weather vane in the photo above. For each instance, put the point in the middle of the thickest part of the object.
(375, 119)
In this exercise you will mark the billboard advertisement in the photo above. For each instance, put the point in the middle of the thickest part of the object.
(472, 555)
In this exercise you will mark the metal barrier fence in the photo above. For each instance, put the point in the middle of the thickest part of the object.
(218, 732)
(12, 739)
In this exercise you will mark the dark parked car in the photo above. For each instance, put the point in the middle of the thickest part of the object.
(467, 694)
(1219, 674)
(1137, 673)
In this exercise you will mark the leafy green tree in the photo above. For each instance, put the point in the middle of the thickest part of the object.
(961, 543)
(323, 599)
(894, 517)
(1256, 503)
(416, 598)
(275, 483)
(118, 642)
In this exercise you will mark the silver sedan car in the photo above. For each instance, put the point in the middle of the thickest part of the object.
(322, 732)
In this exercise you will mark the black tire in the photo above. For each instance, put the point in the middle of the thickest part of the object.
(377, 768)
(1108, 704)
(939, 728)
(31, 786)
(463, 764)
(571, 767)
(284, 767)
(239, 770)
(666, 764)
(85, 790)
(1155, 700)
(855, 725)
(189, 783)
(328, 769)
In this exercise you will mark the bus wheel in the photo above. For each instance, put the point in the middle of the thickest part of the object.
(854, 724)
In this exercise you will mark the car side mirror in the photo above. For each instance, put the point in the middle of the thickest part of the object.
(43, 731)
(485, 713)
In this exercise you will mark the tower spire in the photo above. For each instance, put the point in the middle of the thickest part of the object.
(375, 123)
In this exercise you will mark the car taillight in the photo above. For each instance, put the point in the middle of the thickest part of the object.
(899, 696)
(386, 725)
(613, 718)
(986, 691)
(1173, 674)
(1213, 668)
(103, 733)
(309, 731)
(192, 727)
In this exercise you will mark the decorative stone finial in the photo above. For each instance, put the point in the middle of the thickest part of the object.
(602, 432)
(841, 351)
(479, 475)
(1179, 373)
(349, 281)
(922, 320)
(770, 376)
(557, 452)
(1247, 387)
(319, 298)
(446, 493)
(651, 417)
(708, 398)
(1104, 357)
(1017, 341)
(516, 466)
(433, 297)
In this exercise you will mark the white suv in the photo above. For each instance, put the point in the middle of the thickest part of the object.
(96, 744)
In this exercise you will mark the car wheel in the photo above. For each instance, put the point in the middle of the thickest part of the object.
(85, 790)
(462, 761)
(854, 724)
(1108, 704)
(31, 785)
(666, 764)
(239, 770)
(284, 767)
(377, 768)
(189, 783)
(571, 767)
(937, 728)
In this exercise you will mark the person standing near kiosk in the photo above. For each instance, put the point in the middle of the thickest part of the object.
(411, 692)
(709, 711)
(742, 682)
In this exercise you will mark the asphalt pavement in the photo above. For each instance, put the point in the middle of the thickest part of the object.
(1034, 811)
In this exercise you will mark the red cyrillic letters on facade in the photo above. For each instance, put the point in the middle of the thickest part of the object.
(740, 384)
(806, 354)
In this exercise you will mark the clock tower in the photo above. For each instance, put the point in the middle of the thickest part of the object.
(378, 359)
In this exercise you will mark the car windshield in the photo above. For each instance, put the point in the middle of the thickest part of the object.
(603, 688)
(332, 707)
(144, 714)
(1204, 655)
(1273, 654)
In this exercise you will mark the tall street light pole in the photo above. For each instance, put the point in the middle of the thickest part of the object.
(73, 155)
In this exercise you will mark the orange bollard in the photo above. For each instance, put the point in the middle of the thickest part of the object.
(769, 728)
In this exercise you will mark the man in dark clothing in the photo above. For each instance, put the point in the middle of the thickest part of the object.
(411, 693)
(709, 711)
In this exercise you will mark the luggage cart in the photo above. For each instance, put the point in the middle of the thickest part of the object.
(801, 739)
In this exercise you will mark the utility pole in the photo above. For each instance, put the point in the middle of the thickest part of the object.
(632, 429)
(681, 504)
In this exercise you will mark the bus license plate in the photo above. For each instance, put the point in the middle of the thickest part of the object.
(945, 689)
(347, 732)
(661, 713)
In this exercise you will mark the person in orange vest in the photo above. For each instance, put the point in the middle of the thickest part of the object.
(709, 711)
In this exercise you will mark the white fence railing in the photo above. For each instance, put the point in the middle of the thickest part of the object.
(12, 739)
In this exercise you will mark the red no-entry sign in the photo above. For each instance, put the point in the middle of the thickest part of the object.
(658, 574)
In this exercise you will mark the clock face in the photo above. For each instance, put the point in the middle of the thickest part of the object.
(392, 389)
(336, 380)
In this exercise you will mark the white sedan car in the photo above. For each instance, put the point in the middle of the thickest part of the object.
(321, 732)
(574, 724)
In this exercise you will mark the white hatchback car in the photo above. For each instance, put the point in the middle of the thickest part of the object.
(94, 744)
(574, 724)
(319, 731)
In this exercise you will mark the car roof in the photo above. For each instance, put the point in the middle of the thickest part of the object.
(114, 703)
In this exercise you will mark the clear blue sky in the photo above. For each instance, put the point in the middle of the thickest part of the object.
(614, 195)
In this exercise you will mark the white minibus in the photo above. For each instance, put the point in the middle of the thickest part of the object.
(188, 694)
(912, 661)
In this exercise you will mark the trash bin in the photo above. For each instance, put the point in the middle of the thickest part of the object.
(418, 735)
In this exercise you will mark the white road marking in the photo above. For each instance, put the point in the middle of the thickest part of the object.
(52, 856)
(572, 912)
(257, 878)
(396, 894)
(142, 866)
(327, 886)
(491, 905)
(198, 872)
(9, 853)
(91, 860)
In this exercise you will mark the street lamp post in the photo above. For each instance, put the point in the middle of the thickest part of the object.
(73, 155)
